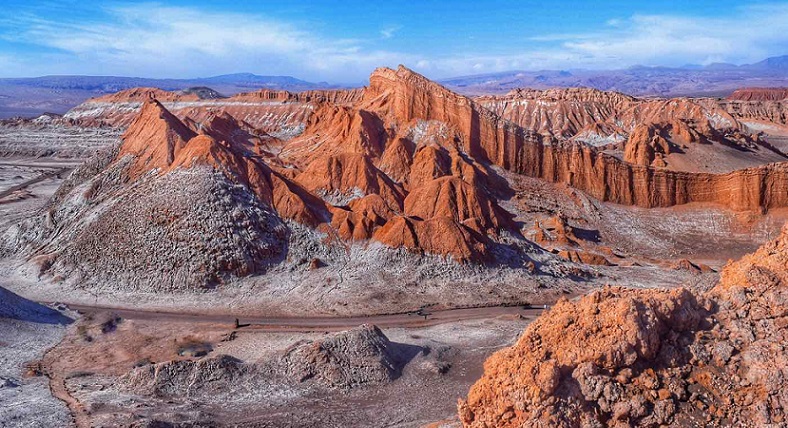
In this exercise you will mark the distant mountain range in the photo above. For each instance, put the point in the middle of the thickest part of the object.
(57, 94)
(717, 79)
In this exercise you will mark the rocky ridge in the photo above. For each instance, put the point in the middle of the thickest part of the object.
(691, 130)
(281, 113)
(759, 94)
(405, 163)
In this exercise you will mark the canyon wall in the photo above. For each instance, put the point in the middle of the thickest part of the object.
(407, 96)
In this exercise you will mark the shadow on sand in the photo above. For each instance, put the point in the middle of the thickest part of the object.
(13, 306)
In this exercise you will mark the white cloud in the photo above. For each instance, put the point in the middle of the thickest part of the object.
(389, 31)
(153, 40)
(749, 35)
(158, 41)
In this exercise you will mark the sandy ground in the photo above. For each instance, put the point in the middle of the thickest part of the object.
(421, 395)
(27, 183)
(27, 402)
(27, 331)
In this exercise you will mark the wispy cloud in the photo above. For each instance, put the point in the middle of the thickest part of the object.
(147, 39)
(388, 32)
(751, 34)
(156, 40)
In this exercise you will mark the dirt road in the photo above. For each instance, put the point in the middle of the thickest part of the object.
(420, 318)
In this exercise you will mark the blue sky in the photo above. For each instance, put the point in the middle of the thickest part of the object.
(343, 42)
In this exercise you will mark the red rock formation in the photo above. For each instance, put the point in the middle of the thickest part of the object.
(554, 231)
(454, 198)
(649, 143)
(159, 141)
(278, 112)
(405, 96)
(339, 96)
(373, 207)
(645, 146)
(348, 176)
(689, 266)
(623, 357)
(155, 138)
(768, 111)
(438, 235)
(557, 112)
(351, 225)
(585, 257)
(430, 162)
(223, 127)
(397, 159)
(145, 94)
(405, 158)
(759, 94)
(334, 130)
(566, 112)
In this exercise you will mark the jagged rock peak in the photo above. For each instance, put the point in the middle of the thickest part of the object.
(155, 136)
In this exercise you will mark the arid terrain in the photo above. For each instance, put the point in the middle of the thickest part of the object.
(351, 257)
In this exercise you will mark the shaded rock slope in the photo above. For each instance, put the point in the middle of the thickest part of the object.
(622, 357)
(13, 306)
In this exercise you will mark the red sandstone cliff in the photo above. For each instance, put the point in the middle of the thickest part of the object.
(405, 95)
(759, 94)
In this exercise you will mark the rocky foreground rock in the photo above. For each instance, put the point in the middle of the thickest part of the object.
(624, 357)
(353, 358)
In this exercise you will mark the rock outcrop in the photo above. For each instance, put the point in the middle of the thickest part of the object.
(626, 357)
(281, 113)
(187, 377)
(345, 360)
(405, 95)
(437, 235)
(363, 355)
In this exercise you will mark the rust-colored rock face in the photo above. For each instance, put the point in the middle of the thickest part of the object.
(626, 357)
(759, 94)
(339, 189)
(343, 178)
(568, 112)
(158, 141)
(155, 125)
(405, 96)
(437, 235)
(145, 94)
(457, 199)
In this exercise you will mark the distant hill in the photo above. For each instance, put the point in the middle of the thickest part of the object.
(35, 95)
(719, 79)
(58, 94)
